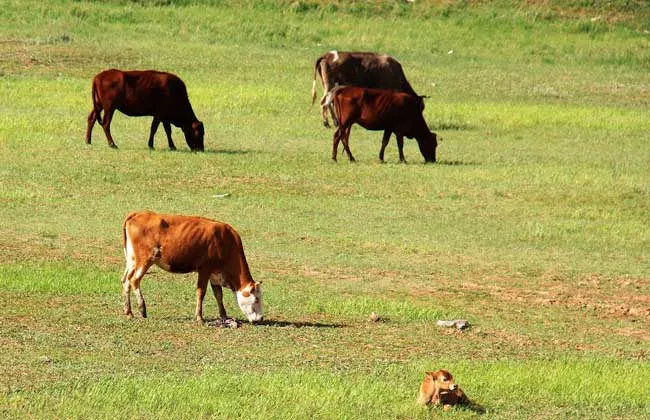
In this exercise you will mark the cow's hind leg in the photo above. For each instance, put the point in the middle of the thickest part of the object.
(400, 148)
(131, 280)
(324, 111)
(154, 127)
(91, 123)
(345, 138)
(168, 131)
(384, 143)
(335, 142)
(135, 276)
(106, 125)
(126, 291)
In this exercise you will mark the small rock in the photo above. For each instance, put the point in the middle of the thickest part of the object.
(374, 317)
(460, 324)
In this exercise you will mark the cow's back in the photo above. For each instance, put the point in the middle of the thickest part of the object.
(184, 243)
(369, 70)
(380, 109)
(145, 92)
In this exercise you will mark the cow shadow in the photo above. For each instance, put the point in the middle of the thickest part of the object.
(212, 322)
(289, 324)
(456, 163)
(209, 151)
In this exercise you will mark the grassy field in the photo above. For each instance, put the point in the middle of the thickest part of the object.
(534, 224)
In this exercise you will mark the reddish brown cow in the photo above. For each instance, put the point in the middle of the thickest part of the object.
(363, 69)
(381, 109)
(184, 244)
(141, 93)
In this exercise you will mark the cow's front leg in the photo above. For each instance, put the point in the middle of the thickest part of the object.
(400, 148)
(201, 286)
(218, 295)
(168, 131)
(154, 127)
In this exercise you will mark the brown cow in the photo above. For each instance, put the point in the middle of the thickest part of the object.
(363, 69)
(139, 93)
(184, 244)
(381, 109)
(439, 388)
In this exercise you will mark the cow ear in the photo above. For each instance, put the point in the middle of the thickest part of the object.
(257, 283)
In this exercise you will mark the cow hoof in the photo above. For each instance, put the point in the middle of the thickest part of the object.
(173, 149)
(326, 124)
(113, 146)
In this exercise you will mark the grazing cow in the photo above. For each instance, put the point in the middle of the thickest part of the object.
(381, 109)
(139, 93)
(184, 244)
(363, 69)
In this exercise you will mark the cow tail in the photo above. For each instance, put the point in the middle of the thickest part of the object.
(96, 102)
(313, 84)
(124, 232)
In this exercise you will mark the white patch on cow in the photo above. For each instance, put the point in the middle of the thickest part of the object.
(336, 55)
(251, 305)
(140, 272)
(129, 254)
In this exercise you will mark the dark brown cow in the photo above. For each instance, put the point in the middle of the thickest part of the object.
(144, 93)
(185, 244)
(381, 109)
(363, 69)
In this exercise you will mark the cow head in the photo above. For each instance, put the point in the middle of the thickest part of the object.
(194, 136)
(428, 145)
(443, 380)
(250, 301)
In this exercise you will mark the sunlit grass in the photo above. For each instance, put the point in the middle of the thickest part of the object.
(533, 225)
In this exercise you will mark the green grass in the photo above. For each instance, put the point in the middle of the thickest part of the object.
(533, 225)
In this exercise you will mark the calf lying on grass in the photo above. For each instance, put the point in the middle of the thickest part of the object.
(139, 93)
(439, 388)
(184, 244)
